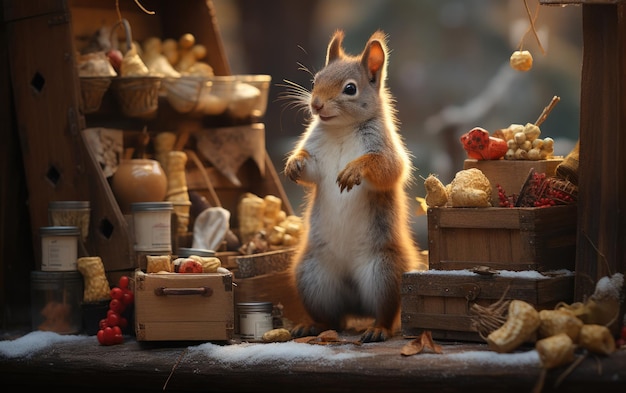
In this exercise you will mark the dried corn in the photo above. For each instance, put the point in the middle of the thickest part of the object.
(96, 285)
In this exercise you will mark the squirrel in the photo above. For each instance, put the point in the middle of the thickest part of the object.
(355, 168)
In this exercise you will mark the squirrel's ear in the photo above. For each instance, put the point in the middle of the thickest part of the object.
(374, 57)
(335, 50)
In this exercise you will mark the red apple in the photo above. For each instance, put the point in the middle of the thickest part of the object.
(115, 58)
(190, 266)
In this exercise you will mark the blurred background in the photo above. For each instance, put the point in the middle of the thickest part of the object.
(448, 69)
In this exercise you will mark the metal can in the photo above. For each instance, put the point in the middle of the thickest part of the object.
(59, 248)
(255, 318)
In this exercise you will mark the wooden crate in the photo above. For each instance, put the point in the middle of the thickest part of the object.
(439, 301)
(176, 306)
(510, 174)
(502, 238)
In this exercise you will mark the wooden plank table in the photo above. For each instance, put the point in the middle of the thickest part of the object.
(83, 365)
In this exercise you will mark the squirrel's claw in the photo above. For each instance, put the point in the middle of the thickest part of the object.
(347, 179)
(295, 166)
(303, 330)
(375, 334)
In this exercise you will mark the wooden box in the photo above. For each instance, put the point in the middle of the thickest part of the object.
(440, 301)
(502, 238)
(184, 307)
(510, 174)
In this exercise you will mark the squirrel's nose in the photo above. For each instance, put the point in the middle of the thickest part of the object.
(317, 105)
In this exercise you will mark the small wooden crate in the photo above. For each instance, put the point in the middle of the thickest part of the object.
(184, 307)
(439, 301)
(501, 238)
(510, 174)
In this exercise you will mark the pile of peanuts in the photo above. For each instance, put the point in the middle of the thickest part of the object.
(559, 331)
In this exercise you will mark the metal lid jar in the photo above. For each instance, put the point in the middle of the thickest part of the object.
(59, 248)
(255, 318)
(153, 226)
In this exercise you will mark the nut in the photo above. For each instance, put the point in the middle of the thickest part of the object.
(522, 321)
(555, 350)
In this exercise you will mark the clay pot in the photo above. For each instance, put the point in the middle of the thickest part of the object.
(138, 180)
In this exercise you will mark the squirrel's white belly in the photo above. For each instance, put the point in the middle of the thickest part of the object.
(341, 220)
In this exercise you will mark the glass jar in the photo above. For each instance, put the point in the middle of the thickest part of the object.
(153, 226)
(56, 299)
(70, 213)
(59, 248)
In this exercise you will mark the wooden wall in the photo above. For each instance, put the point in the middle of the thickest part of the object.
(16, 252)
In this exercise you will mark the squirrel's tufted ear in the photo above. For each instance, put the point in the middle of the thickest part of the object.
(374, 57)
(335, 50)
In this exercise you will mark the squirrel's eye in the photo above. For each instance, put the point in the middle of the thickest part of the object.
(350, 89)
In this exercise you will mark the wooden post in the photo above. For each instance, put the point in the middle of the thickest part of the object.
(601, 237)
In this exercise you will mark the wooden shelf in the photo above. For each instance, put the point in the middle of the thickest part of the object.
(44, 38)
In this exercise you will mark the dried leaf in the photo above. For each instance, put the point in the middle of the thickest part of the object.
(425, 340)
(412, 348)
(305, 339)
(328, 335)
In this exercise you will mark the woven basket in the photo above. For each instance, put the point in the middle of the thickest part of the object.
(183, 93)
(92, 90)
(138, 96)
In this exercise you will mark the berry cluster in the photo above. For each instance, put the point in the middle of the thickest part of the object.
(539, 191)
(122, 298)
(504, 200)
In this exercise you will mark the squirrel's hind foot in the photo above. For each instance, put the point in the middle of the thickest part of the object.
(304, 330)
(375, 334)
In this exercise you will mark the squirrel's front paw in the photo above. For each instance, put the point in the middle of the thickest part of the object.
(295, 165)
(349, 177)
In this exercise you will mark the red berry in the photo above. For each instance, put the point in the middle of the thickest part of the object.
(117, 306)
(103, 323)
(106, 336)
(113, 320)
(100, 336)
(116, 293)
(124, 281)
(117, 335)
(128, 297)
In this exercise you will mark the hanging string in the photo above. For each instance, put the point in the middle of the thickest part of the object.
(141, 7)
(532, 28)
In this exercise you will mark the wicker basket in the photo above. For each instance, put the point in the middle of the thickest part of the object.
(183, 93)
(138, 96)
(92, 90)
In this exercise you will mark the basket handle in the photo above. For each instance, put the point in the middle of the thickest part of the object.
(129, 35)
